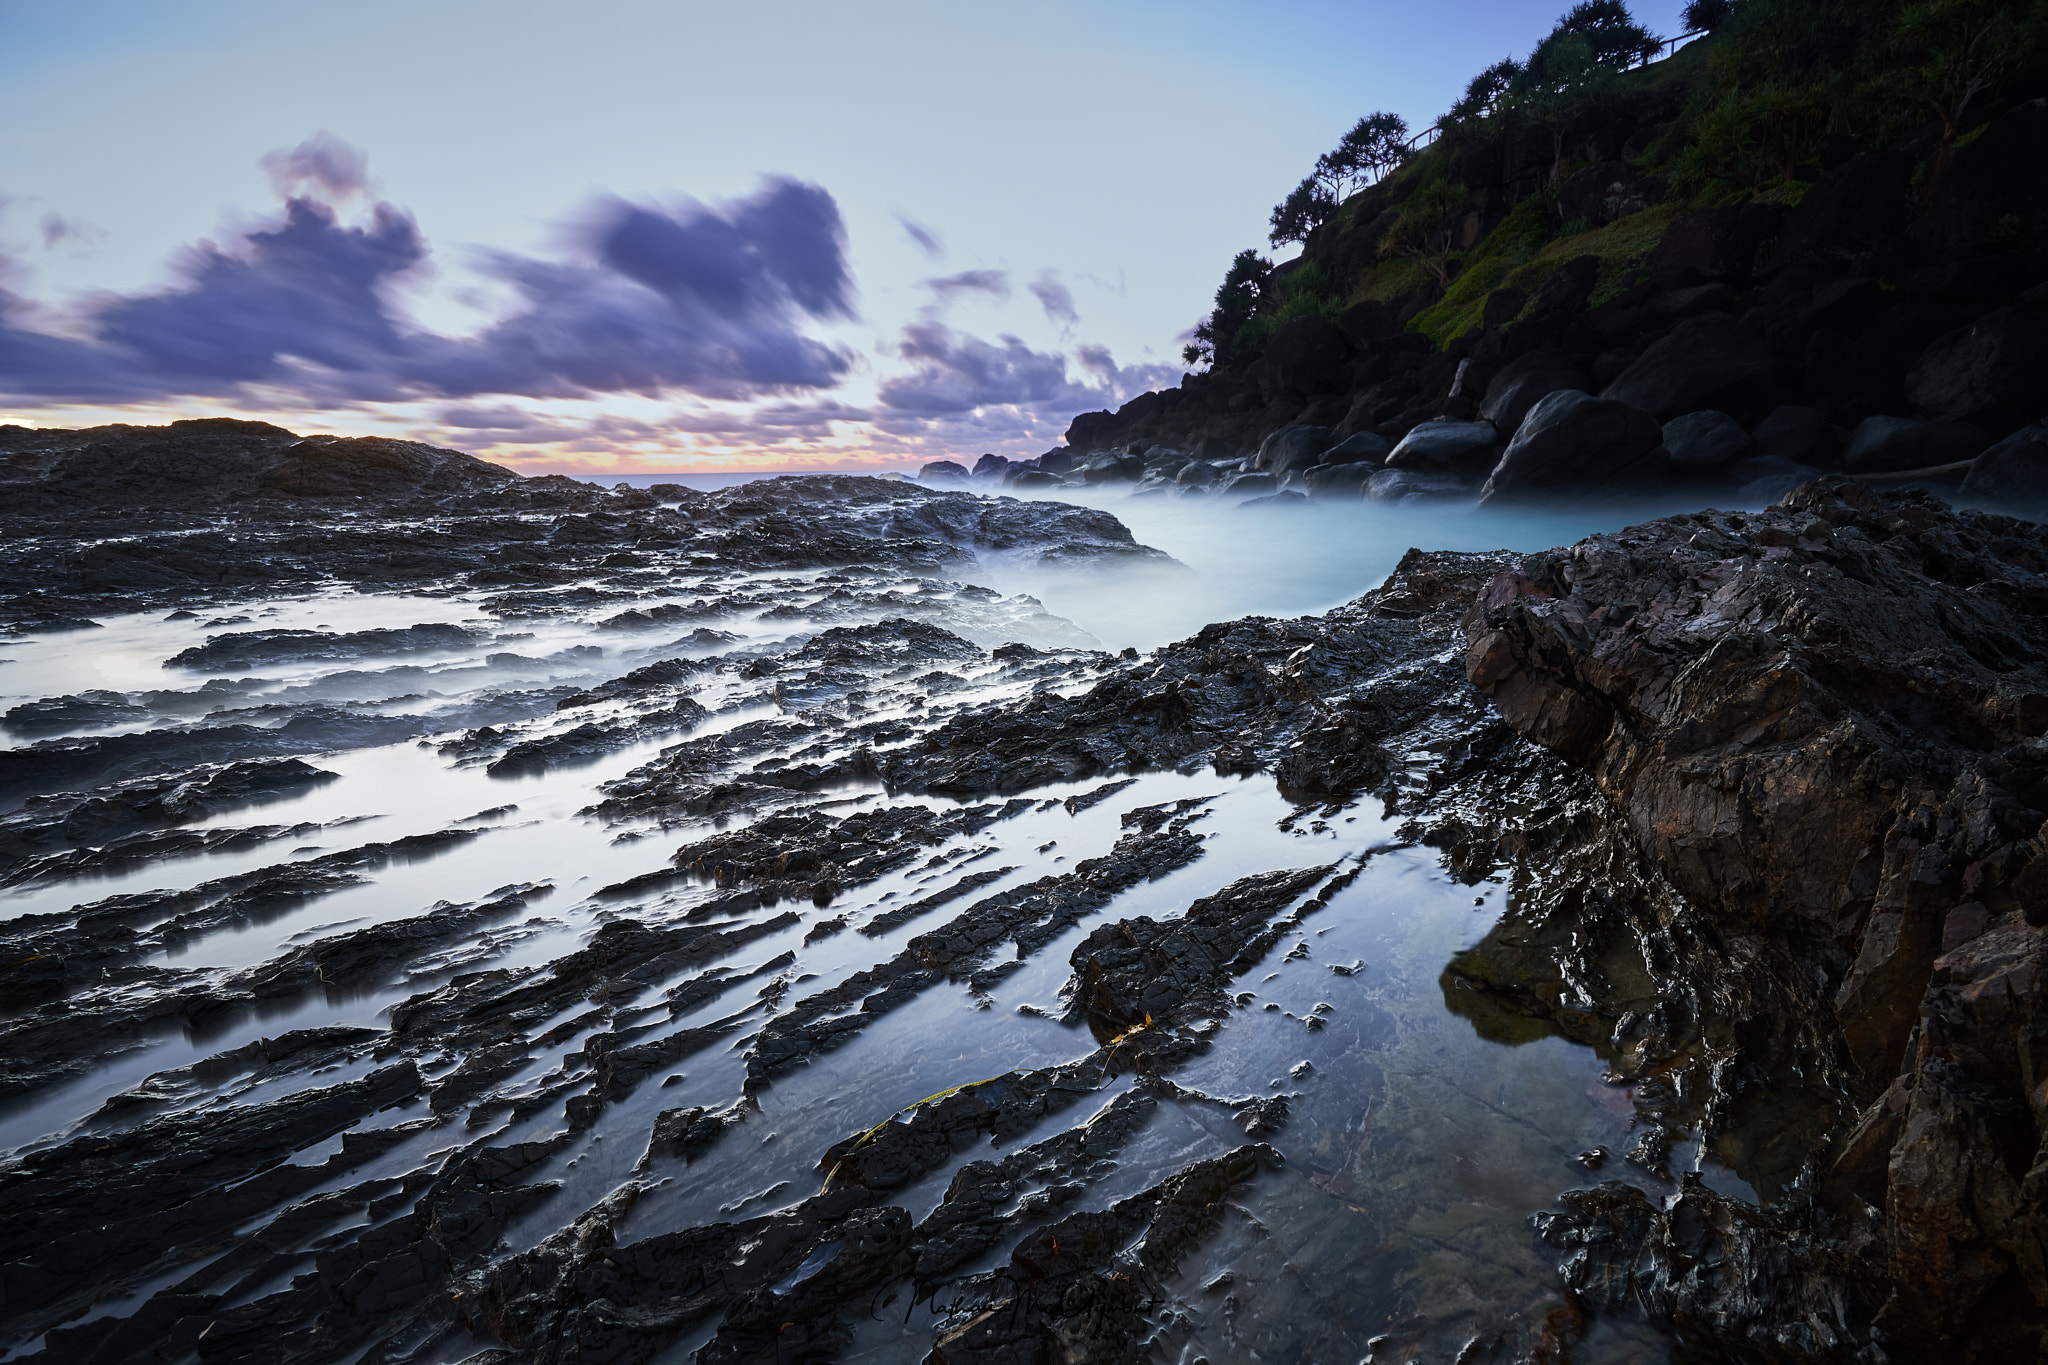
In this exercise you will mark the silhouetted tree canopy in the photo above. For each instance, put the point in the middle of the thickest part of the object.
(1237, 299)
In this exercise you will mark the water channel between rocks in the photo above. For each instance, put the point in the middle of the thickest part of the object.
(1412, 1153)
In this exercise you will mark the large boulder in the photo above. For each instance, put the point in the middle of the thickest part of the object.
(1250, 485)
(1113, 466)
(1306, 356)
(1196, 474)
(1993, 372)
(1466, 449)
(1338, 480)
(2012, 474)
(1851, 209)
(1705, 362)
(1291, 448)
(1800, 434)
(1983, 200)
(1851, 381)
(1572, 440)
(1414, 486)
(1360, 447)
(943, 471)
(991, 467)
(1524, 382)
(1714, 244)
(1889, 445)
(1701, 442)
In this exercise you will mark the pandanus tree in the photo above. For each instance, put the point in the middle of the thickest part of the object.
(1237, 298)
(1572, 71)
(1376, 144)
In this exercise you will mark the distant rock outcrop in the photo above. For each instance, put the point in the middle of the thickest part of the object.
(217, 460)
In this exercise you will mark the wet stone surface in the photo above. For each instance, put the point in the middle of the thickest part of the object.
(724, 957)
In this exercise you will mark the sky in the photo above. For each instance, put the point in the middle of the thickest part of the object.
(637, 237)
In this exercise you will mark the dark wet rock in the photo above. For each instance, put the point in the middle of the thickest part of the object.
(2012, 475)
(1291, 448)
(1339, 480)
(590, 741)
(1525, 381)
(1081, 1284)
(943, 471)
(53, 765)
(48, 823)
(1306, 355)
(1112, 466)
(160, 1192)
(1029, 916)
(1414, 485)
(1801, 435)
(174, 545)
(1715, 244)
(1571, 440)
(1851, 759)
(1464, 449)
(1715, 1269)
(1989, 373)
(53, 714)
(1701, 442)
(246, 650)
(1360, 447)
(1706, 362)
(1882, 445)
(1141, 973)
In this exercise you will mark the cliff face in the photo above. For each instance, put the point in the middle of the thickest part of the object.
(1885, 315)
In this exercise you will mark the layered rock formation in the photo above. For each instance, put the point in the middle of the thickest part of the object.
(1824, 724)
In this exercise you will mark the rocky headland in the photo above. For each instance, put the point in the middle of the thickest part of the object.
(1602, 285)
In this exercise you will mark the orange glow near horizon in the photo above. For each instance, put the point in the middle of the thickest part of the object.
(583, 455)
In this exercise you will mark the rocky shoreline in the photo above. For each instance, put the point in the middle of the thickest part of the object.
(1752, 803)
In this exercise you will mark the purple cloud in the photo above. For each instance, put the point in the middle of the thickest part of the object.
(709, 299)
(994, 283)
(927, 240)
(1055, 298)
(956, 374)
(323, 163)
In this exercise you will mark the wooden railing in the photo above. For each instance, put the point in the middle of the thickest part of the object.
(1669, 47)
(1665, 51)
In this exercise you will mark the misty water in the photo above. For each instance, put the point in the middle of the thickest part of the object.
(1414, 1152)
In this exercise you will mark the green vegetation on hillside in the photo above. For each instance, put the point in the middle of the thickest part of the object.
(1771, 95)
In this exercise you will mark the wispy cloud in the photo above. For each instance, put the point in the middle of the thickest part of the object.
(1055, 298)
(927, 241)
(994, 283)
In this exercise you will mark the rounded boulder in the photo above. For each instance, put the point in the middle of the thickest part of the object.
(1572, 440)
(1461, 448)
